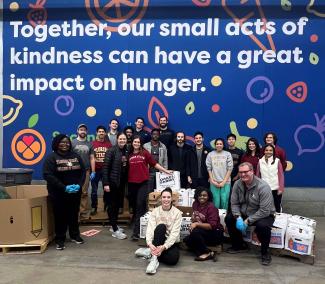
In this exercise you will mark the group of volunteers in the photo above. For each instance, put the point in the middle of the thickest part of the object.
(248, 184)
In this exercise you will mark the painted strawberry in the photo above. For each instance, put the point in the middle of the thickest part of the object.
(38, 14)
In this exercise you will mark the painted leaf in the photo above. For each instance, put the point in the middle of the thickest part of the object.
(33, 120)
(153, 115)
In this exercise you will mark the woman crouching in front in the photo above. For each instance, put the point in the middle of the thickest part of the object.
(163, 234)
(206, 229)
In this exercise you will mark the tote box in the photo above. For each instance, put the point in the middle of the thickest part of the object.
(144, 224)
(299, 239)
(183, 197)
(296, 219)
(25, 216)
(164, 180)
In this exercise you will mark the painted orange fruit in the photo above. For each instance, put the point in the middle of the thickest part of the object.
(28, 146)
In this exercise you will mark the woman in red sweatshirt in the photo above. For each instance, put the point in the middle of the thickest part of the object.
(138, 176)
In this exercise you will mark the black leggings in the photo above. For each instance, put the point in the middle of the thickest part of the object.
(199, 239)
(138, 194)
(169, 256)
(66, 210)
(277, 200)
(112, 199)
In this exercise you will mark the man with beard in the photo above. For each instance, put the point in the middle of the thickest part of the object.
(166, 135)
(159, 153)
(139, 131)
(113, 130)
(196, 170)
(177, 157)
(100, 145)
(85, 150)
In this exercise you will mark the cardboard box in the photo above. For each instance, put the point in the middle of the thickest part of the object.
(144, 224)
(154, 199)
(26, 217)
(300, 239)
(296, 219)
(164, 180)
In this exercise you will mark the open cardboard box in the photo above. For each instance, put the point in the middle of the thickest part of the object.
(27, 216)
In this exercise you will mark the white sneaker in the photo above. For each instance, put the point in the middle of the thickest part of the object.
(143, 252)
(119, 228)
(119, 235)
(153, 265)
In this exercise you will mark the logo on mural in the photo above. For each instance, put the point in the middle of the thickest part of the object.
(14, 107)
(115, 12)
(314, 133)
(37, 15)
(28, 145)
(262, 91)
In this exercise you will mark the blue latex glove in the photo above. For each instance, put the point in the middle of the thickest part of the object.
(92, 176)
(240, 224)
(69, 188)
(245, 228)
(75, 188)
(72, 188)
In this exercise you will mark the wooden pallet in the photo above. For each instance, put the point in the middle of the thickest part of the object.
(101, 217)
(307, 259)
(33, 247)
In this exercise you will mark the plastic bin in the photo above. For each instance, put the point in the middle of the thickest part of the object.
(15, 176)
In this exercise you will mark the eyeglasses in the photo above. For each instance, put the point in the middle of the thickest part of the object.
(244, 172)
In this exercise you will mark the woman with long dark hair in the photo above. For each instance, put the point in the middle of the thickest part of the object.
(219, 165)
(163, 234)
(270, 170)
(114, 181)
(252, 154)
(64, 173)
(138, 176)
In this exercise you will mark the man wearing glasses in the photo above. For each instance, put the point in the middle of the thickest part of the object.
(251, 205)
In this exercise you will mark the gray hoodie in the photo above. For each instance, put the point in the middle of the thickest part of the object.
(256, 201)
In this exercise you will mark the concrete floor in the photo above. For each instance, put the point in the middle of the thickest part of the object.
(103, 259)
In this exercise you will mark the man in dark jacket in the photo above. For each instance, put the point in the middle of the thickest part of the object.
(139, 131)
(251, 205)
(166, 134)
(177, 157)
(196, 170)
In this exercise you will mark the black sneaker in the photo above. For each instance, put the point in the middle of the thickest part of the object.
(266, 259)
(77, 240)
(234, 250)
(60, 246)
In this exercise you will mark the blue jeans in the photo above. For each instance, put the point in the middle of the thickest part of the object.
(94, 188)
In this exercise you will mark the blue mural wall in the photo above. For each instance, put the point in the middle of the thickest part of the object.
(244, 67)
